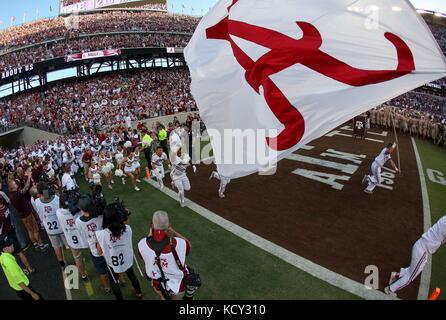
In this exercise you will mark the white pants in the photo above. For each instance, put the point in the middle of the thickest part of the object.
(159, 173)
(375, 179)
(223, 182)
(417, 263)
(182, 184)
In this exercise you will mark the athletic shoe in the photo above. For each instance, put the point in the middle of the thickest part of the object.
(389, 292)
(394, 276)
(221, 195)
(113, 182)
(110, 187)
(123, 181)
(44, 247)
(36, 246)
(137, 180)
(138, 296)
(368, 192)
(137, 189)
(364, 180)
(182, 204)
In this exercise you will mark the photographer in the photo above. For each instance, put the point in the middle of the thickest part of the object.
(68, 224)
(47, 204)
(7, 230)
(115, 243)
(68, 182)
(25, 211)
(164, 253)
(87, 224)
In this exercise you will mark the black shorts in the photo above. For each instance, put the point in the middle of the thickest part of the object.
(100, 265)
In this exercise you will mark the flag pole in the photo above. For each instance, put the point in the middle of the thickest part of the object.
(396, 140)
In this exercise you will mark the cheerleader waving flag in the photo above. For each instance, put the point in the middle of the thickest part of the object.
(275, 75)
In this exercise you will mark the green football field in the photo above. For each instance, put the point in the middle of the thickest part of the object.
(230, 267)
(434, 157)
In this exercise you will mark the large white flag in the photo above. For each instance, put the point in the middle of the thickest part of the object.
(288, 71)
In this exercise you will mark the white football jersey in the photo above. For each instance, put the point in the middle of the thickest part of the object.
(47, 214)
(87, 230)
(118, 252)
(179, 166)
(69, 228)
(383, 158)
(158, 160)
(435, 236)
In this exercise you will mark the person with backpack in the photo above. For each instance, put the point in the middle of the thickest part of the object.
(164, 253)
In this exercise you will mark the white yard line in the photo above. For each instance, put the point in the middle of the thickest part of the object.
(423, 291)
(67, 291)
(295, 260)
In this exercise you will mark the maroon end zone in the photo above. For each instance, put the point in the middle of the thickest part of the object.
(335, 225)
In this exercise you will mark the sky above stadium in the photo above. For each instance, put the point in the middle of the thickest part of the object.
(16, 12)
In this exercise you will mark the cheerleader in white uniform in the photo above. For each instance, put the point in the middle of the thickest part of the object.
(94, 173)
(119, 156)
(127, 165)
(137, 164)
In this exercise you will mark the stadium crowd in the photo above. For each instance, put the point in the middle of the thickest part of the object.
(39, 184)
(439, 32)
(420, 124)
(59, 27)
(64, 47)
(70, 2)
(422, 102)
(98, 102)
(152, 6)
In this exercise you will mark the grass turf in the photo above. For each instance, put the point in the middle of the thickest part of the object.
(434, 157)
(230, 267)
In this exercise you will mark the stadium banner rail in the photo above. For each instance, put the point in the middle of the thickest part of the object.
(87, 5)
(93, 55)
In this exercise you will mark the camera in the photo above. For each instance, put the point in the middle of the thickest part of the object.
(50, 183)
(97, 201)
(121, 209)
(72, 200)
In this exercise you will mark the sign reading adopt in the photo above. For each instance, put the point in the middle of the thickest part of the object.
(15, 71)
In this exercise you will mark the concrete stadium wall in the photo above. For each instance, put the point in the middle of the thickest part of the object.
(164, 120)
(11, 139)
(31, 135)
(26, 136)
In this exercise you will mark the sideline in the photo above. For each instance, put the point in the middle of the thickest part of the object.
(423, 291)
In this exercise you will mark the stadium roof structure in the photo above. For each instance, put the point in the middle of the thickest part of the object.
(36, 75)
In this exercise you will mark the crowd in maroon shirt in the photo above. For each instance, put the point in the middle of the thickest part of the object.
(100, 102)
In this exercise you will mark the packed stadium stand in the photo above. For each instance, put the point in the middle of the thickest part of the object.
(141, 94)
